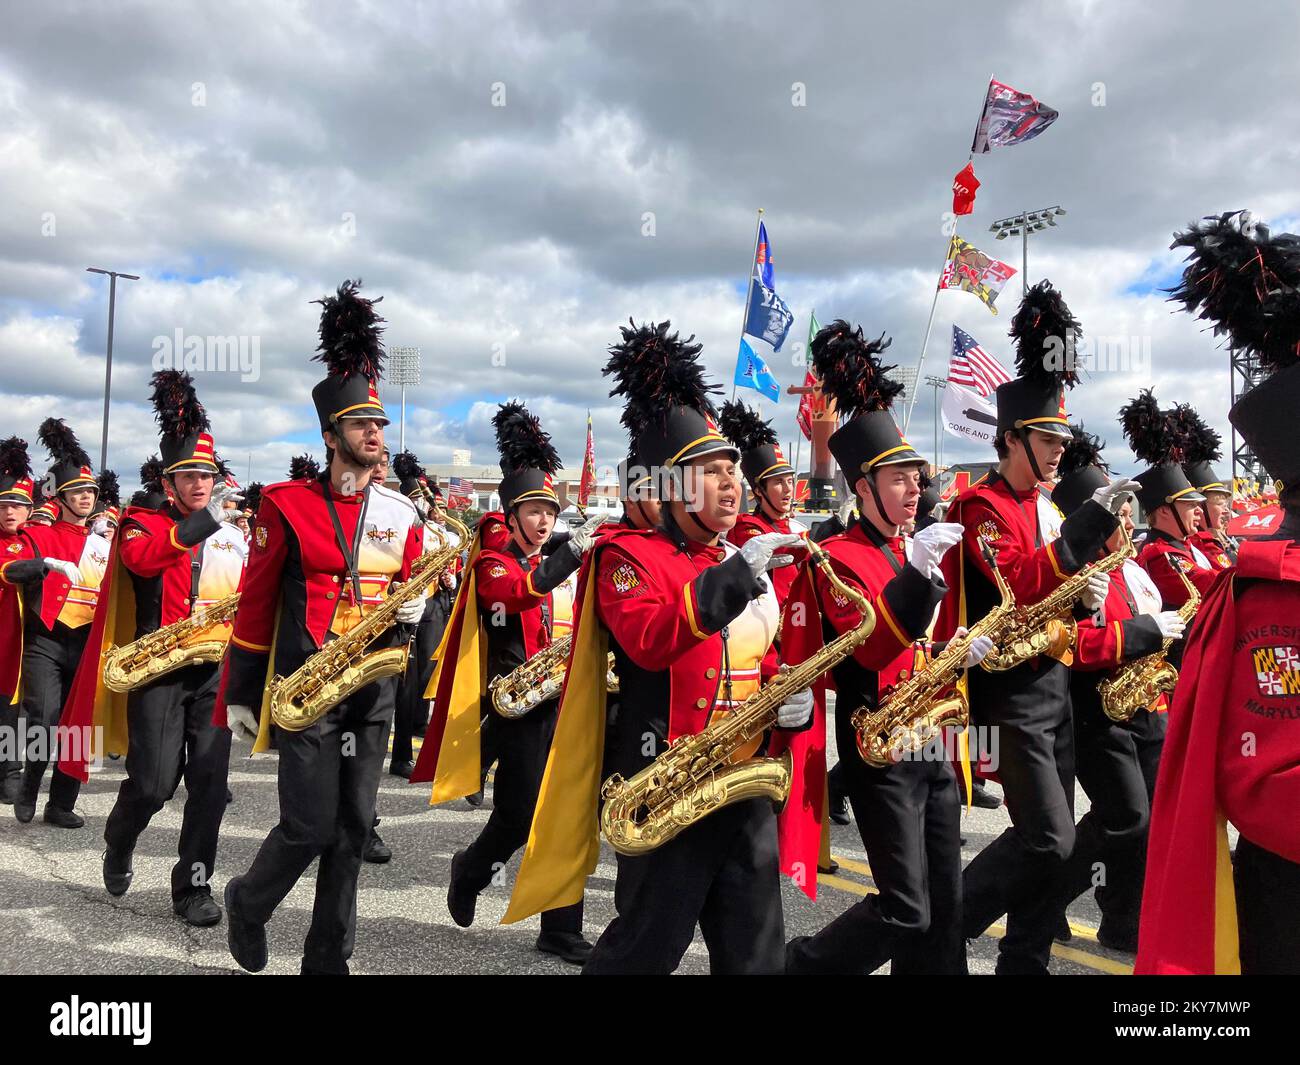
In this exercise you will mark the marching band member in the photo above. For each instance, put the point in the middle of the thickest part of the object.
(57, 614)
(771, 480)
(907, 813)
(1203, 448)
(44, 515)
(325, 553)
(1028, 704)
(1233, 743)
(690, 619)
(175, 562)
(639, 495)
(506, 602)
(1115, 762)
(152, 494)
(18, 566)
(104, 519)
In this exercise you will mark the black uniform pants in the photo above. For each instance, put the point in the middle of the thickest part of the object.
(328, 779)
(908, 815)
(50, 661)
(9, 767)
(521, 748)
(1268, 922)
(723, 874)
(169, 723)
(1030, 710)
(412, 709)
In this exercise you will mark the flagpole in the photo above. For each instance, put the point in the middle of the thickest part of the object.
(924, 343)
(749, 293)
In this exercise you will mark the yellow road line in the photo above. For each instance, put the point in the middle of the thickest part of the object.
(1081, 957)
(851, 886)
(850, 863)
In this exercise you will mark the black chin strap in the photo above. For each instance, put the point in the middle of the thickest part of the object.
(870, 478)
(1023, 433)
(1178, 518)
(513, 512)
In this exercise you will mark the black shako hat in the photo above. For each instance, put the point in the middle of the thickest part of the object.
(760, 453)
(1045, 333)
(528, 461)
(352, 349)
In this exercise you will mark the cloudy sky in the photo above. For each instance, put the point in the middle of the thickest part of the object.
(490, 168)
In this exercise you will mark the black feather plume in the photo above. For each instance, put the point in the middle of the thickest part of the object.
(1149, 430)
(850, 370)
(1046, 333)
(406, 465)
(253, 497)
(1245, 283)
(351, 333)
(654, 370)
(1194, 437)
(744, 426)
(1082, 451)
(520, 440)
(151, 474)
(110, 492)
(61, 442)
(303, 468)
(176, 405)
(14, 461)
(925, 480)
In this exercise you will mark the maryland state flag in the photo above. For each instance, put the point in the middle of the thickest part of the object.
(970, 270)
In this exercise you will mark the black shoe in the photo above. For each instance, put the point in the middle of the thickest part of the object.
(402, 769)
(247, 941)
(11, 788)
(118, 873)
(460, 900)
(475, 800)
(982, 799)
(1063, 933)
(1125, 941)
(61, 818)
(230, 796)
(839, 808)
(24, 810)
(198, 909)
(377, 851)
(567, 946)
(834, 867)
(1013, 966)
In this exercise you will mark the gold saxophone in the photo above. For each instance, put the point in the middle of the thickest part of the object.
(169, 648)
(344, 665)
(538, 679)
(1047, 627)
(696, 777)
(1138, 684)
(913, 712)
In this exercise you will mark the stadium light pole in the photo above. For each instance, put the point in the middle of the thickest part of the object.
(1022, 225)
(403, 370)
(113, 275)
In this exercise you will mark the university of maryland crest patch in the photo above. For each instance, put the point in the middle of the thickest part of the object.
(989, 530)
(259, 537)
(1277, 670)
(624, 579)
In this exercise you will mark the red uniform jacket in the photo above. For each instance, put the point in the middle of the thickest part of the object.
(55, 598)
(296, 594)
(514, 597)
(1151, 558)
(1232, 752)
(1119, 633)
(1212, 548)
(751, 525)
(18, 566)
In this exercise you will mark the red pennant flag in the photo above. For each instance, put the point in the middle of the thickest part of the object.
(963, 190)
(588, 469)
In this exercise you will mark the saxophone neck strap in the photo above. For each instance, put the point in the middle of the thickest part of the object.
(351, 555)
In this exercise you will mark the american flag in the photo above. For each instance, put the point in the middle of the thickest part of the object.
(460, 491)
(972, 366)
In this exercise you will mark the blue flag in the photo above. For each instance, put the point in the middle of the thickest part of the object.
(763, 259)
(769, 318)
(752, 372)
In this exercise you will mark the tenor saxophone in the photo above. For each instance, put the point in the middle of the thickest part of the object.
(539, 679)
(169, 648)
(344, 665)
(696, 776)
(1138, 684)
(914, 712)
(1047, 627)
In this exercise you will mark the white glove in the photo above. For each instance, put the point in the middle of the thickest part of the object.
(1171, 626)
(222, 494)
(241, 721)
(64, 568)
(1094, 593)
(931, 544)
(796, 710)
(1111, 496)
(760, 555)
(410, 612)
(581, 538)
(976, 651)
(100, 525)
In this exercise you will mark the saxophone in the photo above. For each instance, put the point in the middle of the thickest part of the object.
(342, 666)
(1047, 627)
(913, 712)
(169, 648)
(538, 679)
(1138, 684)
(696, 777)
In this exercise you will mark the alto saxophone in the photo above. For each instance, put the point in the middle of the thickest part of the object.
(169, 648)
(1047, 627)
(1138, 684)
(342, 666)
(913, 713)
(696, 777)
(538, 679)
